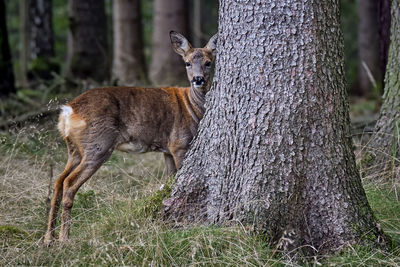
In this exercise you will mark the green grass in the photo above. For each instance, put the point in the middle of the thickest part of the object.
(108, 230)
(386, 206)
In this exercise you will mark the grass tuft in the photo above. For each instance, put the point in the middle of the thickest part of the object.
(10, 231)
(151, 206)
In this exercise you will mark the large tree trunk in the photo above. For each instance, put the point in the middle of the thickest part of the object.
(129, 65)
(6, 67)
(166, 66)
(274, 148)
(369, 71)
(89, 57)
(383, 149)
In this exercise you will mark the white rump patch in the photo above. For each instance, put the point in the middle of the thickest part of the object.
(64, 123)
(66, 111)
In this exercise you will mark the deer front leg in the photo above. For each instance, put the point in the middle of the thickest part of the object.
(178, 155)
(170, 167)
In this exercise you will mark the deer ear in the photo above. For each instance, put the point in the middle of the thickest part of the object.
(212, 44)
(179, 43)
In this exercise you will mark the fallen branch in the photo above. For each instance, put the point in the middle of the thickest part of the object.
(29, 116)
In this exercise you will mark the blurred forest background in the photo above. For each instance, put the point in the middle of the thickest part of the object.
(57, 46)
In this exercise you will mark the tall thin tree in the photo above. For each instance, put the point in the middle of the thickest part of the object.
(40, 39)
(197, 8)
(88, 56)
(274, 147)
(165, 67)
(369, 71)
(384, 21)
(24, 40)
(128, 61)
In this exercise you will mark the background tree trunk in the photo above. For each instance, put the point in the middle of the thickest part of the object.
(197, 33)
(166, 66)
(6, 67)
(23, 33)
(384, 20)
(203, 19)
(40, 29)
(129, 65)
(274, 148)
(369, 71)
(383, 149)
(89, 57)
(40, 39)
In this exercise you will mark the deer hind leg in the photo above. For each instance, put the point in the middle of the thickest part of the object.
(91, 161)
(73, 160)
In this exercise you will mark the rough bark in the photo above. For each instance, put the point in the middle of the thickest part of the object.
(6, 67)
(166, 66)
(89, 49)
(129, 64)
(381, 158)
(274, 148)
(369, 71)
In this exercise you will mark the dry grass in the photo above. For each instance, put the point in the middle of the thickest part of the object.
(105, 230)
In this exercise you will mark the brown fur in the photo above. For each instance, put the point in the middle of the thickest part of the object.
(131, 119)
(151, 118)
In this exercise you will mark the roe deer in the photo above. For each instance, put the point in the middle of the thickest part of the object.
(129, 119)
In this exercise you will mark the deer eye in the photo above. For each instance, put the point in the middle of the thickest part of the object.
(188, 64)
(208, 64)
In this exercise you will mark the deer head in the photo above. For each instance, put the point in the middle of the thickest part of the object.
(198, 60)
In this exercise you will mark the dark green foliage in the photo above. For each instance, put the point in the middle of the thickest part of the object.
(60, 27)
(349, 21)
(42, 68)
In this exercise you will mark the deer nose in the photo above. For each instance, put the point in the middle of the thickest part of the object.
(198, 80)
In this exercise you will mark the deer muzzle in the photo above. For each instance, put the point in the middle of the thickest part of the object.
(198, 81)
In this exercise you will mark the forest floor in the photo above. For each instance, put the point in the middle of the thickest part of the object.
(107, 231)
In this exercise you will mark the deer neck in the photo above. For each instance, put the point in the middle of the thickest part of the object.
(197, 97)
